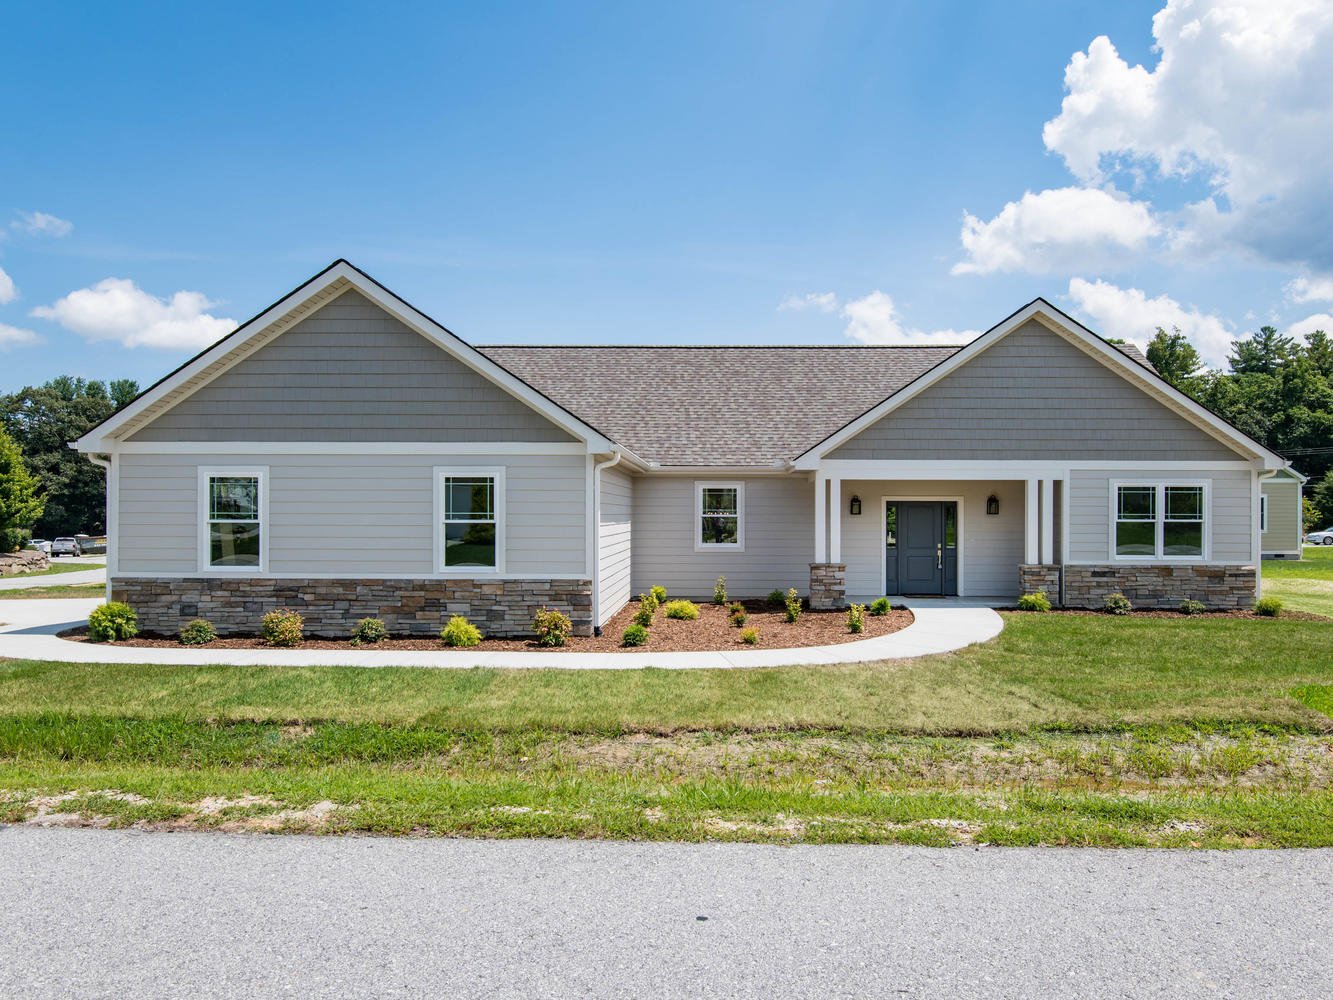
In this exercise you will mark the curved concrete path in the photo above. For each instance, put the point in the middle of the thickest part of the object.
(30, 631)
(95, 573)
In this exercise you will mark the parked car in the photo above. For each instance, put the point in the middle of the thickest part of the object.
(40, 544)
(66, 547)
(1324, 537)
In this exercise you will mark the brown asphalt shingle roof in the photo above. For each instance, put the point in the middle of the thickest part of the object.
(717, 405)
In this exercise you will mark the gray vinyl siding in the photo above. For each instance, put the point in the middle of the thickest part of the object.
(1284, 516)
(992, 546)
(779, 538)
(1230, 511)
(1034, 395)
(614, 543)
(351, 372)
(353, 515)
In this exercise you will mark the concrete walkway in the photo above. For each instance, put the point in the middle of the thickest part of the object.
(96, 573)
(940, 627)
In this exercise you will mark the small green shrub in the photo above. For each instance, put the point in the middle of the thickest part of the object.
(112, 622)
(1268, 607)
(199, 632)
(737, 614)
(682, 610)
(649, 602)
(776, 597)
(635, 635)
(750, 636)
(880, 606)
(856, 619)
(720, 591)
(792, 602)
(659, 594)
(1192, 607)
(282, 628)
(1035, 601)
(1117, 604)
(368, 630)
(552, 627)
(643, 617)
(460, 632)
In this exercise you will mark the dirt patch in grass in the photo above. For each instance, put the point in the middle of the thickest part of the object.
(710, 631)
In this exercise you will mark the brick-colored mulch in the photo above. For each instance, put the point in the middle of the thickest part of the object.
(711, 631)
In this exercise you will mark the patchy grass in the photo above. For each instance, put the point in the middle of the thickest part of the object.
(85, 590)
(1064, 730)
(57, 568)
(1305, 584)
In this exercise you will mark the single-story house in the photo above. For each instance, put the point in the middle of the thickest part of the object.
(345, 454)
(1281, 517)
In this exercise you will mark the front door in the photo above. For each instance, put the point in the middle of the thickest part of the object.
(921, 547)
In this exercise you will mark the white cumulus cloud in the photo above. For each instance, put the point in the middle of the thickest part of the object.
(1238, 100)
(1129, 314)
(1310, 290)
(13, 336)
(874, 319)
(821, 301)
(1059, 229)
(8, 290)
(1318, 321)
(42, 224)
(117, 309)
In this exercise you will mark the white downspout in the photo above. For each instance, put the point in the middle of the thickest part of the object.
(615, 458)
(105, 463)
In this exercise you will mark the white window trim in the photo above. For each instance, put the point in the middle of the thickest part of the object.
(496, 472)
(1159, 523)
(1263, 513)
(207, 472)
(696, 531)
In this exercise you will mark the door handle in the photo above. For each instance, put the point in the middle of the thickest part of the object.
(939, 556)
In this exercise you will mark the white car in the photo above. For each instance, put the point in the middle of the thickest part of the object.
(66, 547)
(40, 544)
(1324, 537)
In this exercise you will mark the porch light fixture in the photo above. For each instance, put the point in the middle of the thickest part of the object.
(992, 505)
(855, 506)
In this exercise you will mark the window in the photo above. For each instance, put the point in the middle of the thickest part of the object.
(1160, 522)
(233, 508)
(471, 519)
(891, 526)
(1263, 514)
(719, 516)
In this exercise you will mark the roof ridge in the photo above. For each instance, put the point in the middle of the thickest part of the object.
(728, 347)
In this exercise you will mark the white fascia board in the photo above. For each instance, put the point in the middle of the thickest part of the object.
(347, 448)
(1060, 324)
(422, 324)
(851, 468)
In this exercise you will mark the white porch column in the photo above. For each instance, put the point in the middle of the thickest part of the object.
(835, 521)
(1047, 521)
(821, 518)
(1031, 554)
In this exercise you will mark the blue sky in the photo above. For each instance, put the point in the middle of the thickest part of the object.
(690, 173)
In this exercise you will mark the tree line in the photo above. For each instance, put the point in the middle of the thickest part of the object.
(1276, 388)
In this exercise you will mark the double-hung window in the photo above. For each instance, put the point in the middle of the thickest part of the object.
(471, 520)
(1160, 520)
(233, 510)
(719, 516)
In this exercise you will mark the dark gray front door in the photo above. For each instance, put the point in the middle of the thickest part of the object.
(921, 547)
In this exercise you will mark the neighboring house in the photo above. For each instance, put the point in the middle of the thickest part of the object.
(345, 454)
(1281, 527)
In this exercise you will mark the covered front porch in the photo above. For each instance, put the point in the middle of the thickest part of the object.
(958, 533)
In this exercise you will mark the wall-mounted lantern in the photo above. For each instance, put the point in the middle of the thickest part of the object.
(855, 506)
(992, 505)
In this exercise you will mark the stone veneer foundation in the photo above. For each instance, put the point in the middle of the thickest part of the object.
(331, 607)
(828, 586)
(1158, 586)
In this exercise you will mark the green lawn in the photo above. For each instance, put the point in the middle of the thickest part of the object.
(1064, 730)
(1304, 585)
(96, 590)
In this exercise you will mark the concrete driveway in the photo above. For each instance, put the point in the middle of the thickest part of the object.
(89, 913)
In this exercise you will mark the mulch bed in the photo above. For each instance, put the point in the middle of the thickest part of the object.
(709, 632)
(1296, 616)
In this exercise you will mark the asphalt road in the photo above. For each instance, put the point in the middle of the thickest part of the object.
(87, 913)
